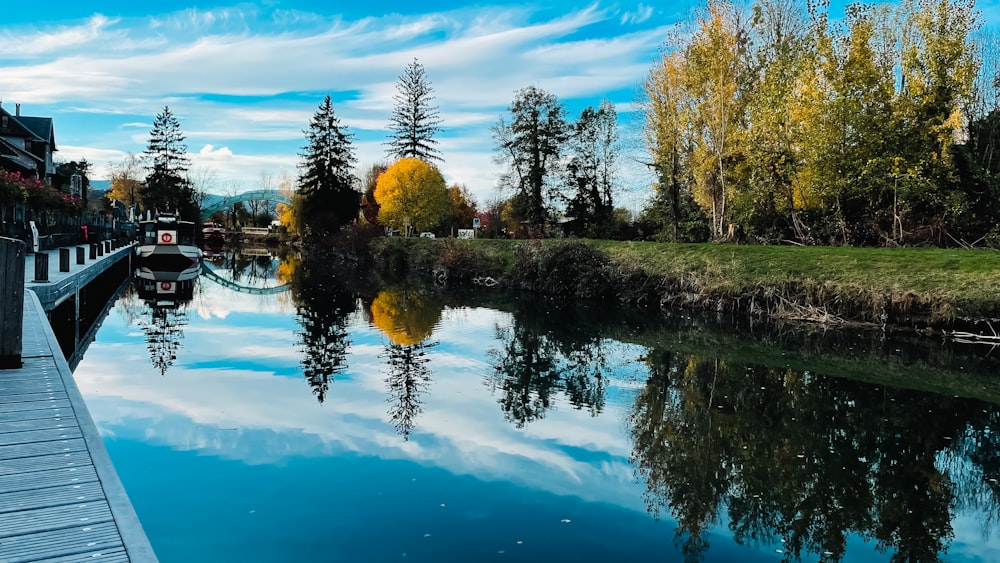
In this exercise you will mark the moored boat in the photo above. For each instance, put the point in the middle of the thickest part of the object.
(167, 236)
(168, 287)
(213, 234)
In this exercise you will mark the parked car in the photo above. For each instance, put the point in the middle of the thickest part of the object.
(426, 234)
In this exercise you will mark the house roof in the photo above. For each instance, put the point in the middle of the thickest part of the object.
(36, 128)
(41, 127)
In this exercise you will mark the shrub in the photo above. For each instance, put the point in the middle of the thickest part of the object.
(564, 270)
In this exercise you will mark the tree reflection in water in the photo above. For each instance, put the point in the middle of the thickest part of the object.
(721, 429)
(806, 459)
(541, 354)
(407, 317)
(323, 305)
(164, 330)
(164, 293)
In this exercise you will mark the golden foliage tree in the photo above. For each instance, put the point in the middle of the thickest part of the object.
(715, 78)
(288, 213)
(126, 180)
(412, 193)
(463, 207)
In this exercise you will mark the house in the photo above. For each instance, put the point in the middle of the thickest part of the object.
(27, 144)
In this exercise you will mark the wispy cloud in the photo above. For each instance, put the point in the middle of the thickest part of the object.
(641, 14)
(248, 78)
(24, 43)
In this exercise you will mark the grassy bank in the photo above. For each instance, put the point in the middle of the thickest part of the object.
(909, 286)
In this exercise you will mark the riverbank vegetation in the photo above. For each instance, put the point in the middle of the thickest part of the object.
(919, 287)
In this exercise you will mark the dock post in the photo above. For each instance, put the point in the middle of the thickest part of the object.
(81, 255)
(41, 267)
(100, 249)
(93, 251)
(63, 259)
(12, 254)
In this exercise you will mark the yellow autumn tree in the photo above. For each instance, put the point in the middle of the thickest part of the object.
(287, 213)
(715, 77)
(412, 193)
(407, 317)
(126, 183)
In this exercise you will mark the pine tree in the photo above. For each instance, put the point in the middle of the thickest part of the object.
(414, 120)
(326, 180)
(167, 188)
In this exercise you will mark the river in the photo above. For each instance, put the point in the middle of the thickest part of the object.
(270, 411)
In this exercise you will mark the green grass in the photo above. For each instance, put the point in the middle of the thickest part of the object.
(966, 282)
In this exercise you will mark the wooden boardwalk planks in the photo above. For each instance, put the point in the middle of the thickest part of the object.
(60, 498)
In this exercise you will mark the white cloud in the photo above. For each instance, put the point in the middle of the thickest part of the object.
(641, 14)
(249, 79)
(20, 43)
(210, 153)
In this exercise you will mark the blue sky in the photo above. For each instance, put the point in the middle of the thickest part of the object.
(244, 78)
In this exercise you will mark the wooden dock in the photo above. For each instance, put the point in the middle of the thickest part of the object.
(60, 497)
(61, 285)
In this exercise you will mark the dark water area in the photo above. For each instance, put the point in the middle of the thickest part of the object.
(279, 411)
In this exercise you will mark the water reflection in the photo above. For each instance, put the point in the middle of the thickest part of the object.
(166, 289)
(807, 459)
(407, 316)
(253, 270)
(723, 444)
(539, 355)
(323, 305)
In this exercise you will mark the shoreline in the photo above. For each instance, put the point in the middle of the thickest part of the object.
(935, 291)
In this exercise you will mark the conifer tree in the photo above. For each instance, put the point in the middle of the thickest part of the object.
(326, 179)
(414, 120)
(167, 187)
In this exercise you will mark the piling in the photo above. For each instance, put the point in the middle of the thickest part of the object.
(41, 267)
(63, 259)
(81, 254)
(12, 254)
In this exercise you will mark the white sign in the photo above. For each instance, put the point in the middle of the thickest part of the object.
(165, 287)
(168, 237)
(475, 222)
(466, 233)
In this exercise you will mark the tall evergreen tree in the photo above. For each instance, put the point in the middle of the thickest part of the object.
(414, 120)
(530, 145)
(167, 187)
(326, 179)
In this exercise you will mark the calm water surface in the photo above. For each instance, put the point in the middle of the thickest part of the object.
(272, 415)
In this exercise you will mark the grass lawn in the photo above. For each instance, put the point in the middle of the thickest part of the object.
(966, 281)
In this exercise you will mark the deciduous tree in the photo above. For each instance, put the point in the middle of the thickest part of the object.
(592, 168)
(530, 145)
(126, 180)
(463, 208)
(715, 78)
(412, 193)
